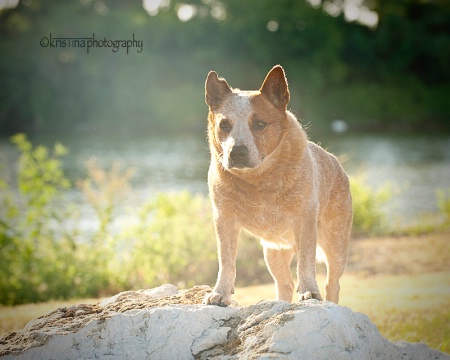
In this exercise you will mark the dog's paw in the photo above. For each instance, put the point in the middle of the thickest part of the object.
(309, 295)
(216, 298)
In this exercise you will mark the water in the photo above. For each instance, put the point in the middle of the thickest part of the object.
(416, 166)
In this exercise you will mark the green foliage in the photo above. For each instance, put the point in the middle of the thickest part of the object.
(43, 253)
(396, 74)
(40, 178)
(368, 214)
(172, 242)
(34, 246)
(46, 254)
(443, 200)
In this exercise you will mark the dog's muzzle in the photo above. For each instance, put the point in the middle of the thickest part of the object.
(239, 157)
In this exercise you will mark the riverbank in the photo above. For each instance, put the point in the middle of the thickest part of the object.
(401, 283)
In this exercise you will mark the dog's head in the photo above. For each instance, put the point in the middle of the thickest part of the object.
(246, 126)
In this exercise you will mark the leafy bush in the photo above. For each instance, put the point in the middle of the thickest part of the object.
(368, 215)
(172, 241)
(43, 253)
(443, 200)
(35, 249)
(46, 253)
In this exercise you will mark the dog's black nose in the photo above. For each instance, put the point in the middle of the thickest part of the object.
(239, 152)
(238, 156)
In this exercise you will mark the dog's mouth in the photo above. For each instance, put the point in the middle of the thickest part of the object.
(235, 164)
(239, 164)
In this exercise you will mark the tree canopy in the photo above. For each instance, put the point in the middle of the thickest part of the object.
(394, 74)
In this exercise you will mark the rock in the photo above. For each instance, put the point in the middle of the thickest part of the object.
(166, 323)
(156, 293)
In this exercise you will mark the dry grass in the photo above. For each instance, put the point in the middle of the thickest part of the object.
(400, 255)
(13, 318)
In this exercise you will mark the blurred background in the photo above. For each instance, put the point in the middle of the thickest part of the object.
(381, 66)
(111, 173)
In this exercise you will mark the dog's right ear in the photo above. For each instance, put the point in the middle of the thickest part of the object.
(275, 87)
(216, 89)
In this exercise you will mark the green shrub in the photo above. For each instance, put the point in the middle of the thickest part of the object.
(46, 254)
(368, 214)
(172, 241)
(42, 255)
(33, 245)
(443, 200)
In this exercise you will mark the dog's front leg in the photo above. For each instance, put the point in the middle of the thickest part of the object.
(306, 262)
(227, 233)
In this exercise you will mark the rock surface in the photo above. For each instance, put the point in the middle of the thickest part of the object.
(165, 323)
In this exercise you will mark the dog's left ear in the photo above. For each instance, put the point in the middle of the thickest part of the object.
(216, 89)
(275, 87)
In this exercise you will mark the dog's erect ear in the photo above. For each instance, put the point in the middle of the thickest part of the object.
(275, 87)
(216, 89)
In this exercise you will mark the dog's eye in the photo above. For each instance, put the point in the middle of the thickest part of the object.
(259, 125)
(225, 125)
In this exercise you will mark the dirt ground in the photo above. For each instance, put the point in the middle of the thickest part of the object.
(400, 255)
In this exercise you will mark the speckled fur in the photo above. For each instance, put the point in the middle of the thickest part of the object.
(293, 195)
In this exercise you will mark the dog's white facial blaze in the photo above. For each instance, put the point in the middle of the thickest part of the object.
(239, 111)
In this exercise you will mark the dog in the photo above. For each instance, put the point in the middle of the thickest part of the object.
(266, 177)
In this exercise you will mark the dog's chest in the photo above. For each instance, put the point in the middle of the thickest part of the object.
(267, 216)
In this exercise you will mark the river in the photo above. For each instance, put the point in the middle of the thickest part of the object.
(414, 165)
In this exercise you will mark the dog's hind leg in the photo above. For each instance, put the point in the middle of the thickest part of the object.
(334, 241)
(278, 262)
(335, 259)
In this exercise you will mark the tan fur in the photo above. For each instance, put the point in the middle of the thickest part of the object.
(283, 189)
